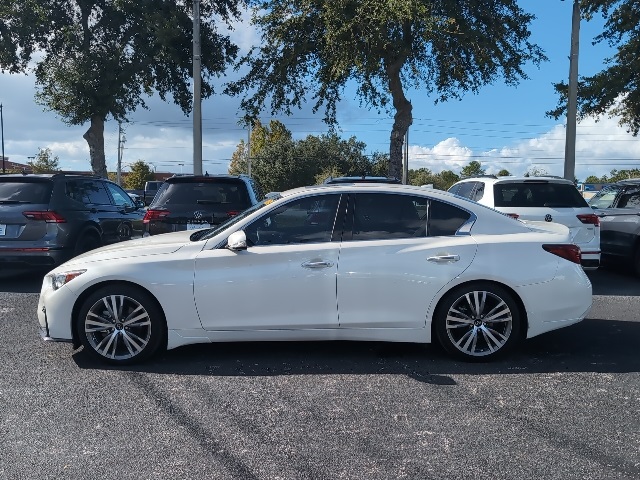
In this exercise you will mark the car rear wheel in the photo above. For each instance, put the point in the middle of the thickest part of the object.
(86, 242)
(121, 325)
(478, 322)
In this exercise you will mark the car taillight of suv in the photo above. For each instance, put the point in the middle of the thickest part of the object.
(153, 214)
(47, 216)
(589, 219)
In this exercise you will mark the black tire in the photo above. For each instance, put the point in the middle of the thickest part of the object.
(478, 322)
(85, 243)
(121, 325)
(636, 261)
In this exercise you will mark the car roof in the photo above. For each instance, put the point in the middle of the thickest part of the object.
(513, 178)
(627, 181)
(370, 187)
(362, 179)
(203, 178)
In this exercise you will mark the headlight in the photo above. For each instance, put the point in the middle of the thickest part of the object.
(57, 280)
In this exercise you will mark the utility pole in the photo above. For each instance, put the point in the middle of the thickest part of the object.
(2, 129)
(249, 148)
(197, 91)
(405, 166)
(572, 104)
(119, 168)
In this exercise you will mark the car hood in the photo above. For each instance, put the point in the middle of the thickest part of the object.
(154, 245)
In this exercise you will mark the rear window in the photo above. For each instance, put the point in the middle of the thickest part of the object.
(204, 193)
(537, 194)
(24, 192)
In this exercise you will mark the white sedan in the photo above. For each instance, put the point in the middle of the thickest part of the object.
(367, 262)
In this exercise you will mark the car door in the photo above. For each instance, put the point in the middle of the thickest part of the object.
(401, 250)
(286, 278)
(619, 212)
(128, 214)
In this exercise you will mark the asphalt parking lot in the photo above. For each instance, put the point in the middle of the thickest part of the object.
(565, 406)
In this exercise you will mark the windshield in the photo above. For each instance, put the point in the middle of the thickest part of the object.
(212, 232)
(605, 197)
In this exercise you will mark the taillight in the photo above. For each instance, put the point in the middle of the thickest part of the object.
(567, 251)
(589, 218)
(512, 215)
(152, 215)
(46, 216)
(233, 213)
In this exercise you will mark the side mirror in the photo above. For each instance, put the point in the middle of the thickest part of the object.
(139, 204)
(237, 241)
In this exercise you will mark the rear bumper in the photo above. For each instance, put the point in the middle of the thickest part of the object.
(32, 258)
(590, 260)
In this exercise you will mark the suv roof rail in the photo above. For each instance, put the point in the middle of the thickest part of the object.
(488, 175)
(75, 174)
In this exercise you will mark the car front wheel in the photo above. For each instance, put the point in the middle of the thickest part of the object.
(478, 322)
(121, 325)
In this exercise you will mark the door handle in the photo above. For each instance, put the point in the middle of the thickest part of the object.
(317, 264)
(444, 258)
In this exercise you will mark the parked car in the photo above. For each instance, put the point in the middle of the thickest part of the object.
(618, 208)
(150, 190)
(45, 219)
(137, 199)
(192, 202)
(329, 262)
(361, 179)
(549, 199)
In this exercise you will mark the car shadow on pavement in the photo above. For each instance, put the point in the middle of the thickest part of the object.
(600, 346)
(614, 280)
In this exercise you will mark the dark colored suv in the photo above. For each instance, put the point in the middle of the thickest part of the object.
(46, 219)
(193, 202)
(618, 207)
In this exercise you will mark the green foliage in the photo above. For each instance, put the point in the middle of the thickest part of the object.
(279, 163)
(615, 90)
(260, 138)
(141, 172)
(44, 162)
(102, 58)
(313, 48)
(473, 169)
(504, 173)
(535, 171)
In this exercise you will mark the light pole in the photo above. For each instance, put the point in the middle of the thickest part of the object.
(2, 129)
(572, 97)
(197, 86)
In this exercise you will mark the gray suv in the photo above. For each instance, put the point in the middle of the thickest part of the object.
(46, 219)
(618, 207)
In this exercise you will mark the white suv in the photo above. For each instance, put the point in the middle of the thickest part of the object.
(551, 199)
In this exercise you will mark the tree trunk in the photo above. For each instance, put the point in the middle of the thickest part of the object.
(95, 138)
(401, 120)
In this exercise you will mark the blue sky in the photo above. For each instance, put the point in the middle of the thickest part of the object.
(501, 127)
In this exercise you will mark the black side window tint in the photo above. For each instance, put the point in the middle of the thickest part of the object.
(629, 199)
(445, 219)
(120, 197)
(454, 189)
(479, 193)
(87, 192)
(466, 190)
(379, 216)
(306, 220)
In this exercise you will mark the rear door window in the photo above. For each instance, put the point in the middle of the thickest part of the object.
(24, 192)
(88, 192)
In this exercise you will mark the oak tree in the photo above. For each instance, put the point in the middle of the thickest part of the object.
(101, 59)
(615, 90)
(312, 49)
